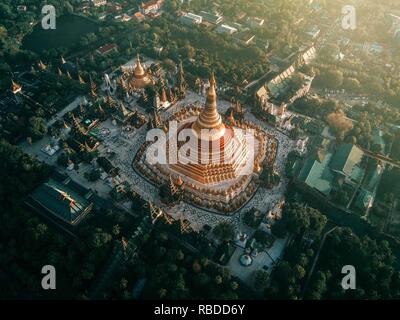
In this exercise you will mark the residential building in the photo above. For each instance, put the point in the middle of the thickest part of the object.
(106, 49)
(98, 3)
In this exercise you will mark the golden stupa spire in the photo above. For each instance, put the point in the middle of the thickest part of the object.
(179, 182)
(69, 76)
(63, 60)
(15, 87)
(209, 118)
(123, 83)
(81, 81)
(139, 71)
(231, 118)
(59, 72)
(163, 95)
(41, 65)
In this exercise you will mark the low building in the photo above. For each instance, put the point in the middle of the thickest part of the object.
(107, 49)
(378, 141)
(62, 201)
(138, 16)
(151, 7)
(191, 19)
(255, 22)
(225, 29)
(346, 160)
(21, 8)
(99, 3)
(245, 38)
(324, 170)
(211, 18)
(125, 17)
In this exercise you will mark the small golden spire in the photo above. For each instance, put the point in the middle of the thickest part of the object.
(59, 72)
(231, 118)
(139, 71)
(81, 81)
(15, 87)
(93, 93)
(209, 118)
(179, 182)
(69, 76)
(163, 95)
(41, 65)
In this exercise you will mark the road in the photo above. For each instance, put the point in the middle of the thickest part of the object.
(382, 158)
(315, 261)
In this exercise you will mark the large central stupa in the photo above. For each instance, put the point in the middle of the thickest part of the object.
(214, 162)
(216, 152)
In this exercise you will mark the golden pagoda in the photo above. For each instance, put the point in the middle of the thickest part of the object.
(215, 165)
(139, 78)
(218, 154)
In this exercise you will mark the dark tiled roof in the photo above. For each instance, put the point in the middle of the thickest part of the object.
(68, 201)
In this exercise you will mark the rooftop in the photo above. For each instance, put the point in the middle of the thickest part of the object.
(346, 157)
(66, 200)
(317, 174)
(322, 167)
